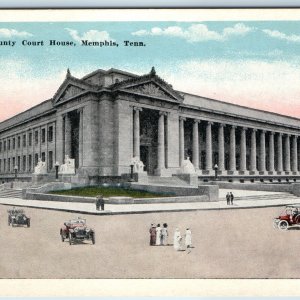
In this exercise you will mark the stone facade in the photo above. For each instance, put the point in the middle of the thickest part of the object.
(106, 118)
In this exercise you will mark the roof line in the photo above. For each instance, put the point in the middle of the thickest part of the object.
(238, 105)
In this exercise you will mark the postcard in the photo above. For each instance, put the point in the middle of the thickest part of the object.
(150, 152)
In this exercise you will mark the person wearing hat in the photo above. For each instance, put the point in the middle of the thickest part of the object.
(164, 234)
(152, 232)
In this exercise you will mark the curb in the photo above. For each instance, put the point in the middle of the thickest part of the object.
(109, 213)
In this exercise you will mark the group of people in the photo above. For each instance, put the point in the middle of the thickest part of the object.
(159, 237)
(229, 198)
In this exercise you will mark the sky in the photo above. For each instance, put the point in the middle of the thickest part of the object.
(255, 64)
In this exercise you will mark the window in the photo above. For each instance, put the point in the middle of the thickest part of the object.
(4, 146)
(0, 165)
(19, 163)
(50, 160)
(4, 165)
(19, 141)
(43, 135)
(24, 140)
(50, 133)
(8, 165)
(36, 137)
(30, 139)
(29, 162)
(36, 159)
(24, 163)
(14, 143)
(8, 144)
(14, 162)
(0, 146)
(43, 156)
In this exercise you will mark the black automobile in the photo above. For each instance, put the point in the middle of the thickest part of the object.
(17, 217)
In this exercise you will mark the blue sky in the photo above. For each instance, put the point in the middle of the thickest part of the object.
(255, 64)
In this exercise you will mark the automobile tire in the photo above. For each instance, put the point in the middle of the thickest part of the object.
(62, 237)
(70, 239)
(93, 239)
(28, 223)
(8, 221)
(283, 225)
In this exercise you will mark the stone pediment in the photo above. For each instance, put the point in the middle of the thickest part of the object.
(151, 89)
(149, 85)
(70, 88)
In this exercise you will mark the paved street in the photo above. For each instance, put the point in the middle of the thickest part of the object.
(228, 244)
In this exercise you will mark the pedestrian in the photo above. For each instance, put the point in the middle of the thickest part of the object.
(99, 202)
(164, 234)
(188, 238)
(177, 240)
(228, 198)
(231, 198)
(152, 232)
(158, 235)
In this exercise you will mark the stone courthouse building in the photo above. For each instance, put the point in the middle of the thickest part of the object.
(106, 118)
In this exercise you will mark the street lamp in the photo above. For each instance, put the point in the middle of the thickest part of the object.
(16, 171)
(56, 170)
(131, 172)
(216, 171)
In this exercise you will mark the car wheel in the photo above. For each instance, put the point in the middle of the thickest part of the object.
(283, 225)
(70, 239)
(8, 221)
(28, 223)
(93, 238)
(62, 236)
(275, 224)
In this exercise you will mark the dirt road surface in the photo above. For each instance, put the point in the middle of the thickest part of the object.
(227, 244)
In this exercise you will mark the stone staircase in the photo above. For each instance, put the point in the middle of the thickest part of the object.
(10, 193)
(166, 181)
(275, 196)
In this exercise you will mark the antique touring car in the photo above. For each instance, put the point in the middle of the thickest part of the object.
(290, 217)
(17, 217)
(77, 230)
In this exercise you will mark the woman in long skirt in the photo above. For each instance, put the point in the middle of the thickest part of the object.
(177, 240)
(158, 235)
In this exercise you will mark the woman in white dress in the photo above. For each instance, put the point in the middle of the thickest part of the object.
(164, 234)
(188, 238)
(177, 240)
(158, 235)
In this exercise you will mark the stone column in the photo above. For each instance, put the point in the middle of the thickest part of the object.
(243, 156)
(262, 156)
(287, 166)
(196, 144)
(295, 154)
(208, 146)
(253, 151)
(232, 158)
(181, 140)
(221, 150)
(80, 150)
(136, 132)
(161, 141)
(271, 152)
(68, 129)
(279, 151)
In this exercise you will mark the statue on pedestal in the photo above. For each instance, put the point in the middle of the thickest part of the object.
(40, 168)
(68, 167)
(187, 167)
(138, 166)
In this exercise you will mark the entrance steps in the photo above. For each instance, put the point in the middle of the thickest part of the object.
(275, 196)
(10, 193)
(167, 181)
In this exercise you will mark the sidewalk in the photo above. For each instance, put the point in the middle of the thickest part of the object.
(117, 209)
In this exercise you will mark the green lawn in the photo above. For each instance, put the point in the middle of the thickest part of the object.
(109, 192)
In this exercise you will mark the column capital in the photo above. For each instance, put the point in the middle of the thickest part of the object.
(280, 134)
(272, 133)
(197, 121)
(137, 108)
(244, 128)
(162, 113)
(254, 129)
(182, 118)
(263, 131)
(233, 126)
(210, 123)
(80, 110)
(222, 125)
(288, 135)
(295, 136)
